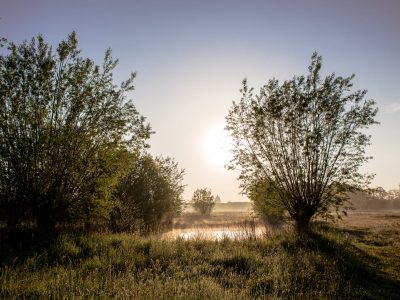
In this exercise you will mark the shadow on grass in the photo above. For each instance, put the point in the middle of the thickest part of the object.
(356, 266)
(16, 247)
(45, 249)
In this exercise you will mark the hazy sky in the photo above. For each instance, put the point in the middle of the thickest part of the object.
(191, 57)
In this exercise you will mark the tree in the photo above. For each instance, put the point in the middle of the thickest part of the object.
(67, 133)
(149, 196)
(306, 137)
(203, 201)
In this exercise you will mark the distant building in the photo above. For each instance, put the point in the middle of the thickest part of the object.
(217, 199)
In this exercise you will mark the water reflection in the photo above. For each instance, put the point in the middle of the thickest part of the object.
(215, 233)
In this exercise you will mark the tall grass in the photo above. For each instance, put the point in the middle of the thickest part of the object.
(329, 264)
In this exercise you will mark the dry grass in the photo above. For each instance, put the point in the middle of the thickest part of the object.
(378, 234)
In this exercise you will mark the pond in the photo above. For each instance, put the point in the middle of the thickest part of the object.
(217, 233)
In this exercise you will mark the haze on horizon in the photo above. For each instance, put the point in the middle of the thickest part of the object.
(191, 57)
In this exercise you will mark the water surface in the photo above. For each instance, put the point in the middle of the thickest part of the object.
(215, 233)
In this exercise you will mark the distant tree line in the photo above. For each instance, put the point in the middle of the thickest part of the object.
(73, 147)
(376, 199)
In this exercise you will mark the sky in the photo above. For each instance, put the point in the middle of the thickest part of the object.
(191, 56)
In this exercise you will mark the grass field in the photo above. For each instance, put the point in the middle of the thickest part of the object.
(358, 258)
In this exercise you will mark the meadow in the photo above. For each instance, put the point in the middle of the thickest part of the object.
(357, 258)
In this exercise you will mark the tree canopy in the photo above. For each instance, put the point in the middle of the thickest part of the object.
(306, 137)
(149, 196)
(203, 201)
(67, 133)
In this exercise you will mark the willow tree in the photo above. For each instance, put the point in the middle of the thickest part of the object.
(67, 133)
(306, 137)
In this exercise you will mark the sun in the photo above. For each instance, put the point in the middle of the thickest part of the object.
(217, 146)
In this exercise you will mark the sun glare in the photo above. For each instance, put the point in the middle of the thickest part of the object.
(217, 146)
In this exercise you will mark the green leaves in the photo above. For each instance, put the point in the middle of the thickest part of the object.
(203, 201)
(66, 48)
(67, 132)
(149, 196)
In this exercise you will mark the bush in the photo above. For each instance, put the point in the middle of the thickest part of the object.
(149, 197)
(266, 203)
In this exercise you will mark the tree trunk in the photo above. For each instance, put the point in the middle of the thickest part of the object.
(45, 220)
(303, 222)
